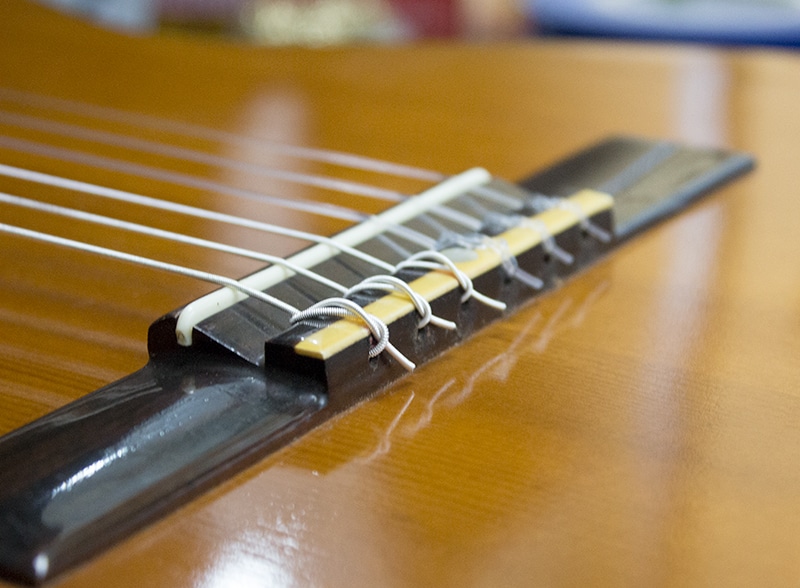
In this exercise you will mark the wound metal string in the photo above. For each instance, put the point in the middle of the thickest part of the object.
(343, 308)
(436, 260)
(395, 284)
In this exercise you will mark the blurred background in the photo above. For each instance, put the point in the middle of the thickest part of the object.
(326, 22)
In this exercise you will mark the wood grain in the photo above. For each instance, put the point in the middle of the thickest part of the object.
(637, 427)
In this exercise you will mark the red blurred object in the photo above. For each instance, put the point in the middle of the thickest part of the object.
(430, 18)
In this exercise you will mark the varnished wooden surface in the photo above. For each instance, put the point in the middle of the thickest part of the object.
(639, 427)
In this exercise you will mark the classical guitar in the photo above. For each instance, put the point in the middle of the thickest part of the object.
(377, 269)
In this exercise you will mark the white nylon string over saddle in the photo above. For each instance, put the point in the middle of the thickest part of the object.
(432, 209)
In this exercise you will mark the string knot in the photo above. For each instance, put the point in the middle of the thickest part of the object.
(541, 202)
(436, 260)
(394, 284)
(344, 308)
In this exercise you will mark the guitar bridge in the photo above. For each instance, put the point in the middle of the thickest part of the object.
(243, 380)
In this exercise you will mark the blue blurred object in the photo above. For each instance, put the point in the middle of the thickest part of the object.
(126, 15)
(740, 22)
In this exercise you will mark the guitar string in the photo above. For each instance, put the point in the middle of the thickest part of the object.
(509, 262)
(505, 222)
(455, 216)
(548, 240)
(176, 178)
(495, 195)
(342, 308)
(545, 237)
(338, 158)
(115, 165)
(190, 130)
(163, 149)
(394, 284)
(477, 239)
(330, 307)
(335, 211)
(106, 163)
(148, 262)
(336, 307)
(540, 203)
(63, 129)
(464, 220)
(139, 228)
(436, 260)
(326, 307)
(472, 225)
(160, 148)
(108, 138)
(167, 235)
(130, 197)
(381, 282)
(461, 218)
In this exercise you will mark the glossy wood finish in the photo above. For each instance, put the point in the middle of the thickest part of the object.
(640, 426)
